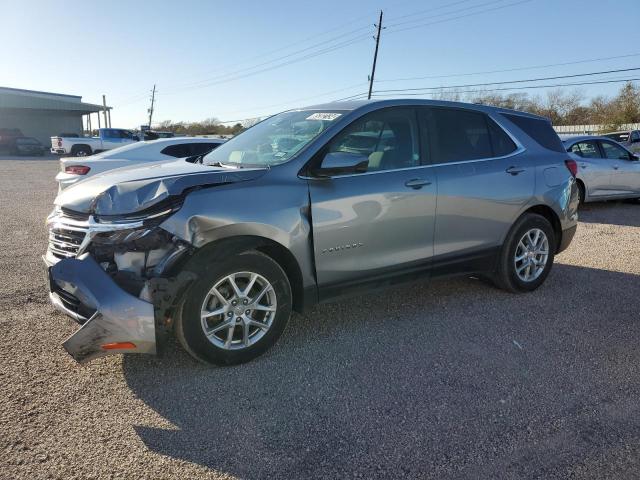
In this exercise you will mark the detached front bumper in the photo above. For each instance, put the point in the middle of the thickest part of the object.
(113, 321)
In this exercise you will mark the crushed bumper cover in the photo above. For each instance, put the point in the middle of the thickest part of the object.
(118, 322)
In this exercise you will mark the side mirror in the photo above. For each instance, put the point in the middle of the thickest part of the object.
(341, 163)
(635, 157)
(136, 138)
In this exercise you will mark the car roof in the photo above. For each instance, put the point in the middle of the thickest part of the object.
(352, 105)
(581, 138)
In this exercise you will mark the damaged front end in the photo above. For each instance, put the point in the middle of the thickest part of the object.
(110, 274)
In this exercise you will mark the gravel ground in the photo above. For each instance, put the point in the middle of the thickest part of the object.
(452, 379)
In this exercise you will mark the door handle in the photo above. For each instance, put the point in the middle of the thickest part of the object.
(514, 170)
(615, 167)
(417, 183)
(582, 165)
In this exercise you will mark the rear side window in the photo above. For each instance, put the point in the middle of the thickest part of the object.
(500, 141)
(538, 129)
(459, 135)
(178, 151)
(202, 148)
(182, 150)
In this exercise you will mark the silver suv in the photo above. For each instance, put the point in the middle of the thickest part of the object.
(306, 206)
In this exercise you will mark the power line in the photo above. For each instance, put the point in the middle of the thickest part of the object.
(237, 75)
(459, 16)
(306, 39)
(516, 69)
(399, 90)
(528, 87)
(446, 13)
(300, 99)
(311, 47)
(295, 60)
(447, 5)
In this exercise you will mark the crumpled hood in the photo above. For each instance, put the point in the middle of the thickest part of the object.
(133, 189)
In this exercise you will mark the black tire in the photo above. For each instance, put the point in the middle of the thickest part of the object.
(81, 150)
(506, 276)
(210, 271)
(581, 193)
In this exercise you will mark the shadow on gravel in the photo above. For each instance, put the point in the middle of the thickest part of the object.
(624, 213)
(449, 380)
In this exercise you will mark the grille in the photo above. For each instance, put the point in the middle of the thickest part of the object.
(66, 234)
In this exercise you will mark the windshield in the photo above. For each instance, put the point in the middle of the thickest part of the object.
(275, 140)
(618, 137)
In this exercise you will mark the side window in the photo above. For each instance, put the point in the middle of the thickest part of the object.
(614, 152)
(459, 135)
(177, 151)
(388, 138)
(202, 148)
(586, 149)
(635, 136)
(575, 148)
(500, 141)
(109, 133)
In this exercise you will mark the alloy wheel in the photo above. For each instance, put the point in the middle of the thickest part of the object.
(531, 255)
(238, 310)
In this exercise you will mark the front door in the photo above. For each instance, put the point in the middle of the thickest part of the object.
(376, 225)
(625, 171)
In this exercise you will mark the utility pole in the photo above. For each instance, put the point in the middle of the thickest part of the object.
(104, 104)
(375, 56)
(153, 98)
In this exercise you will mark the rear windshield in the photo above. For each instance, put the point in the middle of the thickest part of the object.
(618, 137)
(538, 129)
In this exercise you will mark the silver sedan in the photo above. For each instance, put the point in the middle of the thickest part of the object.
(606, 170)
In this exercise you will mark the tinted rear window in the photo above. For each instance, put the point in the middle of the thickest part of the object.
(540, 130)
(460, 135)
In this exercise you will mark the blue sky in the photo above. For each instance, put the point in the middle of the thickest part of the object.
(224, 58)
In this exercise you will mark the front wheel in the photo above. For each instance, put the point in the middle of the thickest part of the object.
(527, 255)
(236, 310)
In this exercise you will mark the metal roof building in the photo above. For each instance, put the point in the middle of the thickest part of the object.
(43, 114)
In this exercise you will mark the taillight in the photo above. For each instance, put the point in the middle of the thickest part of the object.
(59, 142)
(77, 169)
(572, 166)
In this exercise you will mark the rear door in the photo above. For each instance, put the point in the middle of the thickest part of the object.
(483, 183)
(594, 170)
(625, 173)
(376, 225)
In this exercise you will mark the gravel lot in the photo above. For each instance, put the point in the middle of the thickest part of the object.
(452, 379)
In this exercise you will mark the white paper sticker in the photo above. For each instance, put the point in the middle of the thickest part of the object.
(324, 116)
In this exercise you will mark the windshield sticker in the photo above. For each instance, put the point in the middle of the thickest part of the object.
(324, 116)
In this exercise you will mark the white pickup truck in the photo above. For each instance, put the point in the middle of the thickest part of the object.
(107, 139)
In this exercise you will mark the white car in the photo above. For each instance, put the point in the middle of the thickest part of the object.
(75, 169)
(606, 169)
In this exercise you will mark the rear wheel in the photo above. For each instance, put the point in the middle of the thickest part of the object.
(80, 150)
(236, 310)
(527, 255)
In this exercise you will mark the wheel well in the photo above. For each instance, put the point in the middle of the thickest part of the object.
(266, 246)
(549, 214)
(77, 147)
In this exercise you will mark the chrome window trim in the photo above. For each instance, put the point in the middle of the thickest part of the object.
(518, 151)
